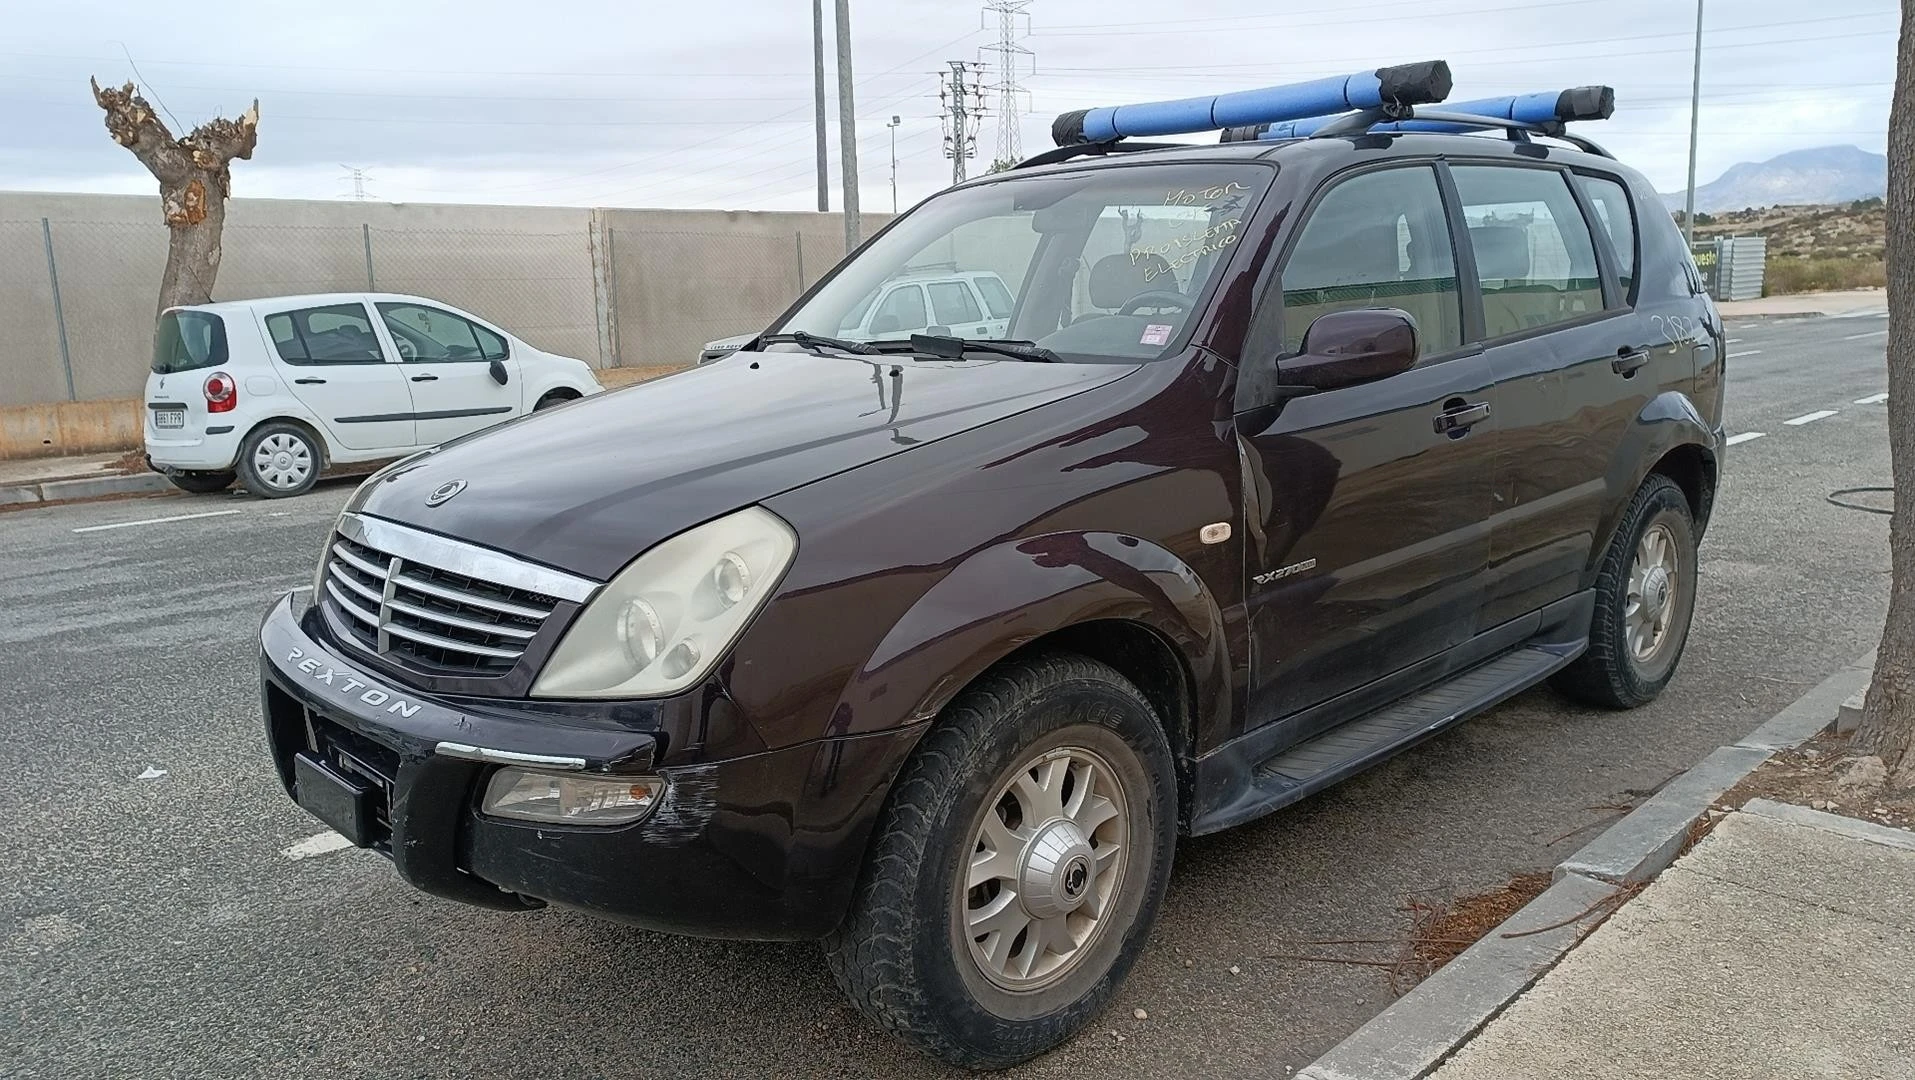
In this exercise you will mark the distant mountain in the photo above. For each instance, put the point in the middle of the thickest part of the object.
(1827, 174)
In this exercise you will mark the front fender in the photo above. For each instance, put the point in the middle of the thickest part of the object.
(1667, 421)
(1006, 596)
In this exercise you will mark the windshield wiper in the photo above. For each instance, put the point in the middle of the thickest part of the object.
(954, 348)
(814, 342)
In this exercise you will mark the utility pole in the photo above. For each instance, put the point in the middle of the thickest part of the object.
(818, 99)
(1010, 57)
(847, 129)
(358, 178)
(962, 104)
(1695, 116)
(893, 125)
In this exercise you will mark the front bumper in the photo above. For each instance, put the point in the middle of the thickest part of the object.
(766, 846)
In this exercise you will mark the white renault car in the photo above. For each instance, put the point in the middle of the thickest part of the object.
(272, 391)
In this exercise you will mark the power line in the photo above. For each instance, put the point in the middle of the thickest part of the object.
(1011, 56)
(963, 106)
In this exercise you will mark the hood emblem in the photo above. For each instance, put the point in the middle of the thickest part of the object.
(444, 492)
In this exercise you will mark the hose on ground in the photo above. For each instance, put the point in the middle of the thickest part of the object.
(1836, 498)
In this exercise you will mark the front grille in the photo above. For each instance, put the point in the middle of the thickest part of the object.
(426, 617)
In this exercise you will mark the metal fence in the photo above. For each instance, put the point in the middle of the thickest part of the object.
(611, 287)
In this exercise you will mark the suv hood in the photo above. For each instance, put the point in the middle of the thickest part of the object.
(588, 486)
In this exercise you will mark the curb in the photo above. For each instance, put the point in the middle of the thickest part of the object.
(88, 487)
(1421, 1029)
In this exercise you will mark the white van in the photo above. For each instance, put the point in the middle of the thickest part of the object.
(272, 391)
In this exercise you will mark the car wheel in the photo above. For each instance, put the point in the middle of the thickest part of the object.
(1017, 868)
(279, 460)
(202, 483)
(1645, 597)
(556, 397)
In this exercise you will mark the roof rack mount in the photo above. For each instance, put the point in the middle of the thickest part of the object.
(1401, 85)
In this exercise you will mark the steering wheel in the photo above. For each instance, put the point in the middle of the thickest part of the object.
(1157, 300)
(407, 350)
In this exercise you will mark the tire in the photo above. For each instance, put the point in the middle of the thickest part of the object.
(556, 397)
(907, 954)
(279, 460)
(202, 483)
(1616, 672)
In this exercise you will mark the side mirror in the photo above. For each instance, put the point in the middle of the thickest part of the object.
(499, 375)
(938, 330)
(1344, 348)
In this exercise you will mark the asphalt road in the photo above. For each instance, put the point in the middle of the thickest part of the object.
(152, 923)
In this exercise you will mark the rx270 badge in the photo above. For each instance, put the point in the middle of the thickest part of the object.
(349, 686)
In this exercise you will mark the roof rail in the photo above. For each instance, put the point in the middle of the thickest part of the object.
(1401, 85)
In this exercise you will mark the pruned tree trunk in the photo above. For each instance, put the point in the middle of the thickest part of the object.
(195, 178)
(1888, 723)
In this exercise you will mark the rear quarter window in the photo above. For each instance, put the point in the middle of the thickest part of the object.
(188, 341)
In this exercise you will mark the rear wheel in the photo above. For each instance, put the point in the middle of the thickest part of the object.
(1017, 868)
(1645, 597)
(202, 483)
(279, 460)
(556, 397)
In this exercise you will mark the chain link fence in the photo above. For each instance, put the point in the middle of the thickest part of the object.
(611, 287)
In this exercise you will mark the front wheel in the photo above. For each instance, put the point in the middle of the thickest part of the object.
(1017, 867)
(1645, 596)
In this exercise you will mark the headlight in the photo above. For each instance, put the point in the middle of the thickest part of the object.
(664, 620)
(570, 799)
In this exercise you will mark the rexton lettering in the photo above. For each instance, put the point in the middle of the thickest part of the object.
(372, 696)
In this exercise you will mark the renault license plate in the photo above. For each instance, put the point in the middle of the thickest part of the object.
(169, 418)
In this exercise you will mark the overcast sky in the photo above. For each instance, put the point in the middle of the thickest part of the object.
(709, 104)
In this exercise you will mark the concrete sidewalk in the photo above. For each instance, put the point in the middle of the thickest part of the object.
(1782, 945)
(80, 476)
(1849, 302)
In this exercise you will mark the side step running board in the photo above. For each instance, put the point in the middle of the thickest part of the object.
(1349, 748)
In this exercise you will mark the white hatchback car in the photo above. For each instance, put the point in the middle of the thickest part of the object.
(272, 391)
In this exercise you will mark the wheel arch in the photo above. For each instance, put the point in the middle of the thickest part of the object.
(311, 429)
(1667, 437)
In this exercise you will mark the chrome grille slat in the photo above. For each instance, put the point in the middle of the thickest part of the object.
(420, 585)
(460, 621)
(424, 638)
(438, 605)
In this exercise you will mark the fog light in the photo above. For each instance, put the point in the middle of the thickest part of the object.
(570, 799)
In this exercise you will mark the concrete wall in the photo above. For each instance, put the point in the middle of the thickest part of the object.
(611, 287)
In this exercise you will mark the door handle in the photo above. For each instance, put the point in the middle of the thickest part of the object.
(425, 378)
(1627, 361)
(310, 381)
(1458, 420)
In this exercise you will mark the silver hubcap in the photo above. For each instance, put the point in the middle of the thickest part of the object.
(1651, 604)
(283, 461)
(1045, 865)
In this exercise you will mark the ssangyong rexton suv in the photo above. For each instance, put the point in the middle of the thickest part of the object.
(930, 649)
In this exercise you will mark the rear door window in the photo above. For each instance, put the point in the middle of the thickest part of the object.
(1535, 257)
(335, 334)
(188, 341)
(1377, 240)
(1611, 201)
(952, 303)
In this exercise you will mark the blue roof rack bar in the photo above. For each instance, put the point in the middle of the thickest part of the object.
(1390, 87)
(1549, 109)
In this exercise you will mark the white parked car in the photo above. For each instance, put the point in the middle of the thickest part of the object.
(964, 303)
(272, 391)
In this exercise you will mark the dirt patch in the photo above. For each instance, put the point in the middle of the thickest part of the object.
(133, 461)
(1810, 775)
(1439, 932)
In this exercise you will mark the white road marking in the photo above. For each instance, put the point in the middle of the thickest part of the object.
(1747, 436)
(1733, 341)
(1871, 333)
(324, 844)
(1810, 418)
(1745, 352)
(1872, 399)
(156, 521)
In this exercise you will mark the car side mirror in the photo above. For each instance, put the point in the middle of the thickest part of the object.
(1344, 348)
(499, 374)
(938, 330)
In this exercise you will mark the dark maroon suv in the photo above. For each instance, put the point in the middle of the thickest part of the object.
(930, 647)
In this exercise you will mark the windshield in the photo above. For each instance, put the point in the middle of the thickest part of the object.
(1105, 263)
(187, 341)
